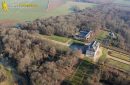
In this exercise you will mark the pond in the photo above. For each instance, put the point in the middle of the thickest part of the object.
(77, 46)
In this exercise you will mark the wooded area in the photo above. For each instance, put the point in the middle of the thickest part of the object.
(46, 63)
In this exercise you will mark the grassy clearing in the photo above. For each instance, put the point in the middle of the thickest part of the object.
(8, 74)
(104, 55)
(84, 69)
(58, 38)
(118, 64)
(101, 35)
(77, 41)
(120, 55)
(63, 39)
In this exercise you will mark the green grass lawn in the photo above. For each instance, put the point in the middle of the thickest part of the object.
(120, 55)
(101, 35)
(118, 64)
(104, 55)
(63, 39)
(58, 38)
(77, 41)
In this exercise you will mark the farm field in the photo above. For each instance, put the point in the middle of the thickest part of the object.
(27, 14)
(65, 8)
(119, 55)
(117, 64)
(24, 13)
(123, 2)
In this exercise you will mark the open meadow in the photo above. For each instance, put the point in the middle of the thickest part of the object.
(41, 11)
(123, 2)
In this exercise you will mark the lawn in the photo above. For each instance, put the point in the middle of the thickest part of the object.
(119, 65)
(29, 14)
(101, 35)
(63, 39)
(58, 38)
(120, 55)
(104, 55)
(76, 41)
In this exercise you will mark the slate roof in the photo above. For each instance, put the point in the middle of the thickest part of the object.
(93, 46)
(83, 34)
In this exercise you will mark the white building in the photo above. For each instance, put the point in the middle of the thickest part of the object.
(92, 50)
(83, 35)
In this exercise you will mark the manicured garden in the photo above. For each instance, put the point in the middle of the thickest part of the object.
(85, 69)
(104, 55)
(119, 65)
(120, 55)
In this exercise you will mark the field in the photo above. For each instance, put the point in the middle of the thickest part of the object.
(123, 2)
(58, 38)
(104, 55)
(120, 55)
(24, 13)
(63, 39)
(115, 59)
(119, 65)
(27, 14)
